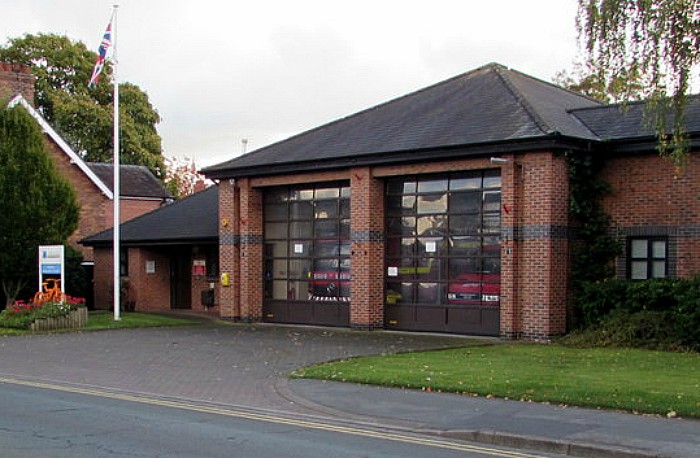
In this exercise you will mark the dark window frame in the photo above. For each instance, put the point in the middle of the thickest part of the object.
(649, 259)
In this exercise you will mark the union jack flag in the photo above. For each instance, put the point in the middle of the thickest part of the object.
(102, 56)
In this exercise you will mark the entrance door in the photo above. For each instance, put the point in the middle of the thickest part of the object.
(180, 280)
(443, 253)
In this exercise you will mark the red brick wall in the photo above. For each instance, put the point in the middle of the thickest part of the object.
(251, 251)
(16, 79)
(150, 291)
(543, 254)
(648, 198)
(367, 249)
(229, 250)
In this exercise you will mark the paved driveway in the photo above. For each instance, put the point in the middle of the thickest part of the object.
(242, 365)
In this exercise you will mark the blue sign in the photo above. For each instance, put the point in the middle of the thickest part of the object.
(51, 269)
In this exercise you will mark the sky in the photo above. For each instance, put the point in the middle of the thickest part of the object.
(225, 72)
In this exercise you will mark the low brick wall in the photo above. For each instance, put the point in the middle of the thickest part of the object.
(75, 319)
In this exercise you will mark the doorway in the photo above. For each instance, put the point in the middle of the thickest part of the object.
(180, 280)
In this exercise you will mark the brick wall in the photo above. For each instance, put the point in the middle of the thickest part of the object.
(229, 250)
(251, 251)
(367, 249)
(648, 198)
(16, 79)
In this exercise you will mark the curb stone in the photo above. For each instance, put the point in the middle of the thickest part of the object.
(542, 444)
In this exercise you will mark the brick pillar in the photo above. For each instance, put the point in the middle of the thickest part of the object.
(543, 259)
(251, 251)
(511, 211)
(229, 250)
(16, 79)
(367, 250)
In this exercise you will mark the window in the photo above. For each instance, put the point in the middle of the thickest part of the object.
(648, 258)
(124, 262)
(307, 243)
(443, 239)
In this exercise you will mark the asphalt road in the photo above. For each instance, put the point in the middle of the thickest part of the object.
(38, 420)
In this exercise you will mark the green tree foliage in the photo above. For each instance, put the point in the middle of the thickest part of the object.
(590, 80)
(659, 40)
(83, 115)
(38, 206)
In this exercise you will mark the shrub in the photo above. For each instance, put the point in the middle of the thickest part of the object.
(651, 314)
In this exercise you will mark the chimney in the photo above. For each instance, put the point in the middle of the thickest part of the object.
(16, 79)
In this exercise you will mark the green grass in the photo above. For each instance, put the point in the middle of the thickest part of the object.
(624, 379)
(99, 320)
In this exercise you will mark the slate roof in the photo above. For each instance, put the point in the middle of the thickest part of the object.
(135, 180)
(190, 220)
(491, 104)
(627, 121)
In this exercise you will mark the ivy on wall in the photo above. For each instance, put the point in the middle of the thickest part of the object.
(594, 250)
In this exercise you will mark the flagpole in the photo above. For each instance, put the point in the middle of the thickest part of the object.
(117, 185)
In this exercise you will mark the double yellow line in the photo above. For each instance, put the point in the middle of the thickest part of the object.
(269, 418)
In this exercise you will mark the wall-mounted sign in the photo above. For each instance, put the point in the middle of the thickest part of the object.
(298, 248)
(393, 271)
(199, 267)
(150, 267)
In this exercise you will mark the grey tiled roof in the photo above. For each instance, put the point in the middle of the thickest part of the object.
(489, 104)
(193, 219)
(135, 180)
(627, 121)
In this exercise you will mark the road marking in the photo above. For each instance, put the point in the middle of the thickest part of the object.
(269, 418)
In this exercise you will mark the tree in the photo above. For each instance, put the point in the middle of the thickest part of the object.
(659, 40)
(83, 115)
(589, 79)
(38, 206)
(182, 178)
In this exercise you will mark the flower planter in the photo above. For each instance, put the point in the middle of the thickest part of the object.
(75, 319)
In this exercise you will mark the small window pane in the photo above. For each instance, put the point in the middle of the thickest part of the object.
(401, 204)
(345, 208)
(327, 193)
(492, 201)
(300, 230)
(492, 223)
(639, 249)
(464, 225)
(399, 292)
(345, 228)
(433, 203)
(639, 270)
(465, 202)
(432, 225)
(279, 289)
(658, 269)
(400, 226)
(326, 209)
(398, 187)
(276, 249)
(465, 183)
(326, 228)
(301, 210)
(465, 246)
(299, 268)
(658, 249)
(276, 212)
(302, 194)
(280, 195)
(432, 186)
(298, 290)
(276, 230)
(492, 182)
(428, 292)
(345, 191)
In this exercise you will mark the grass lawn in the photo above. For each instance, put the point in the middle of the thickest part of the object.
(105, 320)
(631, 380)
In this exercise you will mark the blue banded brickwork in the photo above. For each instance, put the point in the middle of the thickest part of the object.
(367, 236)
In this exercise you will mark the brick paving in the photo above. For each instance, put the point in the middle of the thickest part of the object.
(236, 364)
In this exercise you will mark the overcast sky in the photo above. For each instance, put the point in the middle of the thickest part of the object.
(220, 71)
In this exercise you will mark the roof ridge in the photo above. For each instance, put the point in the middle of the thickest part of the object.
(522, 100)
(361, 112)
